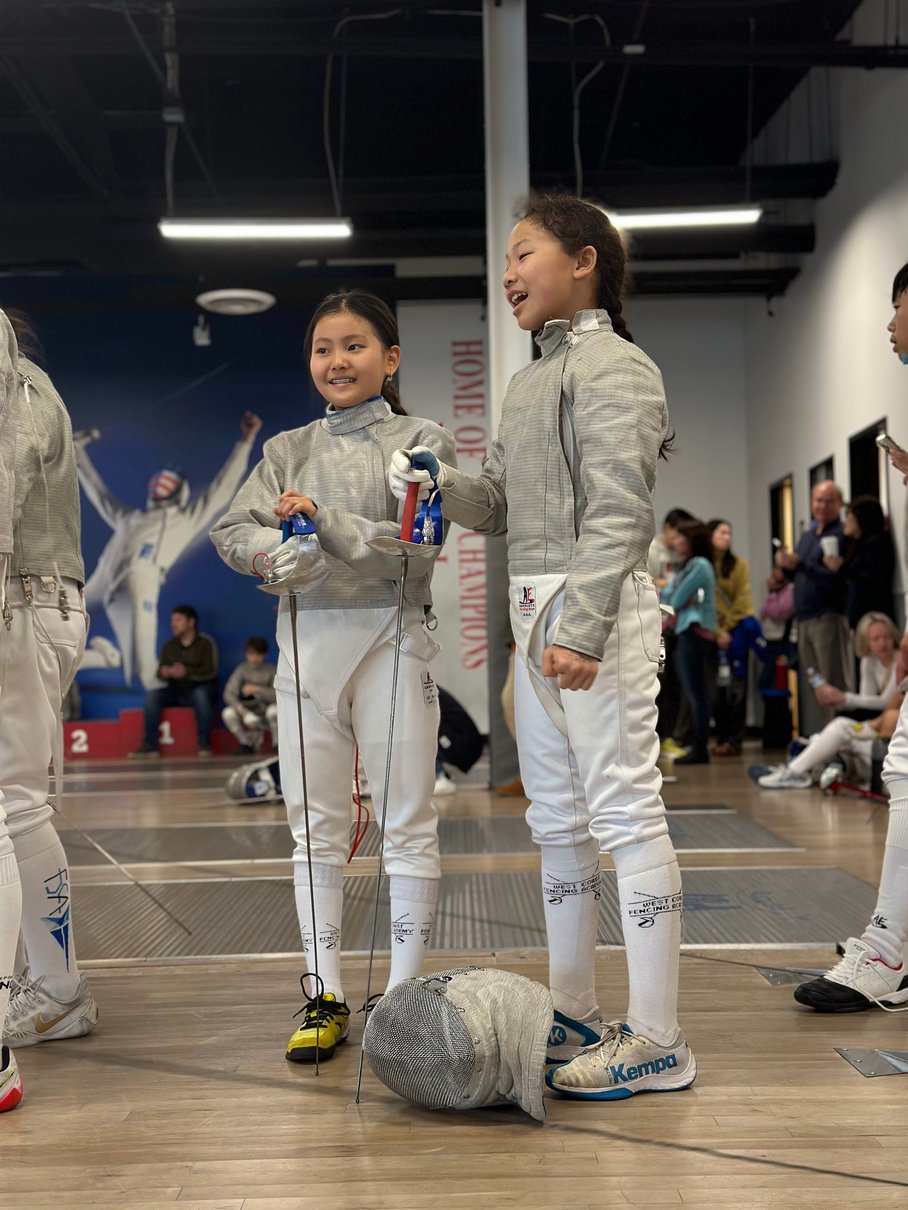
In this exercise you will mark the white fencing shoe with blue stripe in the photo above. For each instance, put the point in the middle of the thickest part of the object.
(569, 1037)
(622, 1064)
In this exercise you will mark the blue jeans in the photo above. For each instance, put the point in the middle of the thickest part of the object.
(198, 694)
(692, 653)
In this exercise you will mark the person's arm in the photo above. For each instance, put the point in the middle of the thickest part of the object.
(250, 526)
(205, 666)
(108, 507)
(620, 420)
(869, 696)
(202, 512)
(742, 601)
(232, 695)
(345, 536)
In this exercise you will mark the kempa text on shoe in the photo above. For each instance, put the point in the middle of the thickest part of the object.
(652, 1068)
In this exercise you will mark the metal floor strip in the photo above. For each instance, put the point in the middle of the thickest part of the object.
(498, 835)
(476, 912)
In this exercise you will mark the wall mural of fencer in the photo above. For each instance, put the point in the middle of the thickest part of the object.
(144, 547)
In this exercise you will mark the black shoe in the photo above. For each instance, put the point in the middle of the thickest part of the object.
(245, 750)
(694, 757)
(144, 751)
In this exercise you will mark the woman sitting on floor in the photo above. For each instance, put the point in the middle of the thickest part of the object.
(846, 741)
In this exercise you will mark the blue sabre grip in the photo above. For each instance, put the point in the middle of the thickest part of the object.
(299, 523)
(425, 460)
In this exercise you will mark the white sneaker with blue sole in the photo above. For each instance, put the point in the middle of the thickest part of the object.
(624, 1063)
(568, 1037)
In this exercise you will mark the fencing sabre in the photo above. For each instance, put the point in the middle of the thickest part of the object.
(405, 549)
(301, 526)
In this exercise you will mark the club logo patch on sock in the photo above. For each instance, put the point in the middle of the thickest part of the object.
(556, 891)
(648, 907)
(56, 892)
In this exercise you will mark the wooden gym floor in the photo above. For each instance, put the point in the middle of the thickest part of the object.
(183, 1097)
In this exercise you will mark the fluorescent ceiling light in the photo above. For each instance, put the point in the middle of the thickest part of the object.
(255, 228)
(728, 216)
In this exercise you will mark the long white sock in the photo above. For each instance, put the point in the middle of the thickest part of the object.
(649, 897)
(413, 902)
(570, 896)
(47, 927)
(823, 747)
(10, 911)
(323, 943)
(888, 928)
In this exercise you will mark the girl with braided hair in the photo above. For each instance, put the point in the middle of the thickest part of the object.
(570, 478)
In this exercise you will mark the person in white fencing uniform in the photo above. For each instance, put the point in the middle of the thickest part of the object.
(570, 477)
(333, 471)
(251, 708)
(43, 636)
(10, 890)
(873, 971)
(145, 545)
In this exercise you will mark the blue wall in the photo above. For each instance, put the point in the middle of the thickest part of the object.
(136, 375)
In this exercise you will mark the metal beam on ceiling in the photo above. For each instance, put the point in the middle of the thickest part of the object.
(259, 40)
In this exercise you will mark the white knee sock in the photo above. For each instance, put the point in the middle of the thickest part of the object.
(46, 911)
(321, 946)
(413, 903)
(888, 928)
(570, 896)
(822, 747)
(649, 896)
(10, 911)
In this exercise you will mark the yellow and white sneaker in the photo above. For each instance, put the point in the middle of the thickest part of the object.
(624, 1063)
(36, 1016)
(326, 1021)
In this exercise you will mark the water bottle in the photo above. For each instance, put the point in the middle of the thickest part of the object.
(723, 674)
(815, 679)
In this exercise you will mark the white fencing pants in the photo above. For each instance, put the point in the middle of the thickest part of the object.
(842, 737)
(355, 711)
(251, 736)
(597, 787)
(38, 659)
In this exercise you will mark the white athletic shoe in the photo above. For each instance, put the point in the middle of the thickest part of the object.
(622, 1064)
(861, 980)
(36, 1016)
(783, 779)
(443, 786)
(10, 1080)
(568, 1037)
(109, 653)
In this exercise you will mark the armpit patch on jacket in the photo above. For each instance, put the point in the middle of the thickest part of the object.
(526, 601)
(429, 689)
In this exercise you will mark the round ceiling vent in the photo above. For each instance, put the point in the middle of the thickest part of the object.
(236, 301)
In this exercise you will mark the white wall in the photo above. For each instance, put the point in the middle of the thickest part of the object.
(699, 347)
(822, 369)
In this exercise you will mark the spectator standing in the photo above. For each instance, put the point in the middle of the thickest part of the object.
(734, 603)
(820, 591)
(692, 595)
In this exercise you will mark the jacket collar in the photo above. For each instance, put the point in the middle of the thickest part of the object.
(556, 330)
(350, 420)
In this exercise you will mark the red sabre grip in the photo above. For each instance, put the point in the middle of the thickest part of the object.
(409, 517)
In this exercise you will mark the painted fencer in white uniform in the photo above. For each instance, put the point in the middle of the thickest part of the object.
(874, 971)
(333, 470)
(570, 477)
(41, 642)
(145, 545)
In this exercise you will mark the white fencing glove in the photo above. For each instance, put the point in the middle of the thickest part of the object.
(418, 465)
(297, 565)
